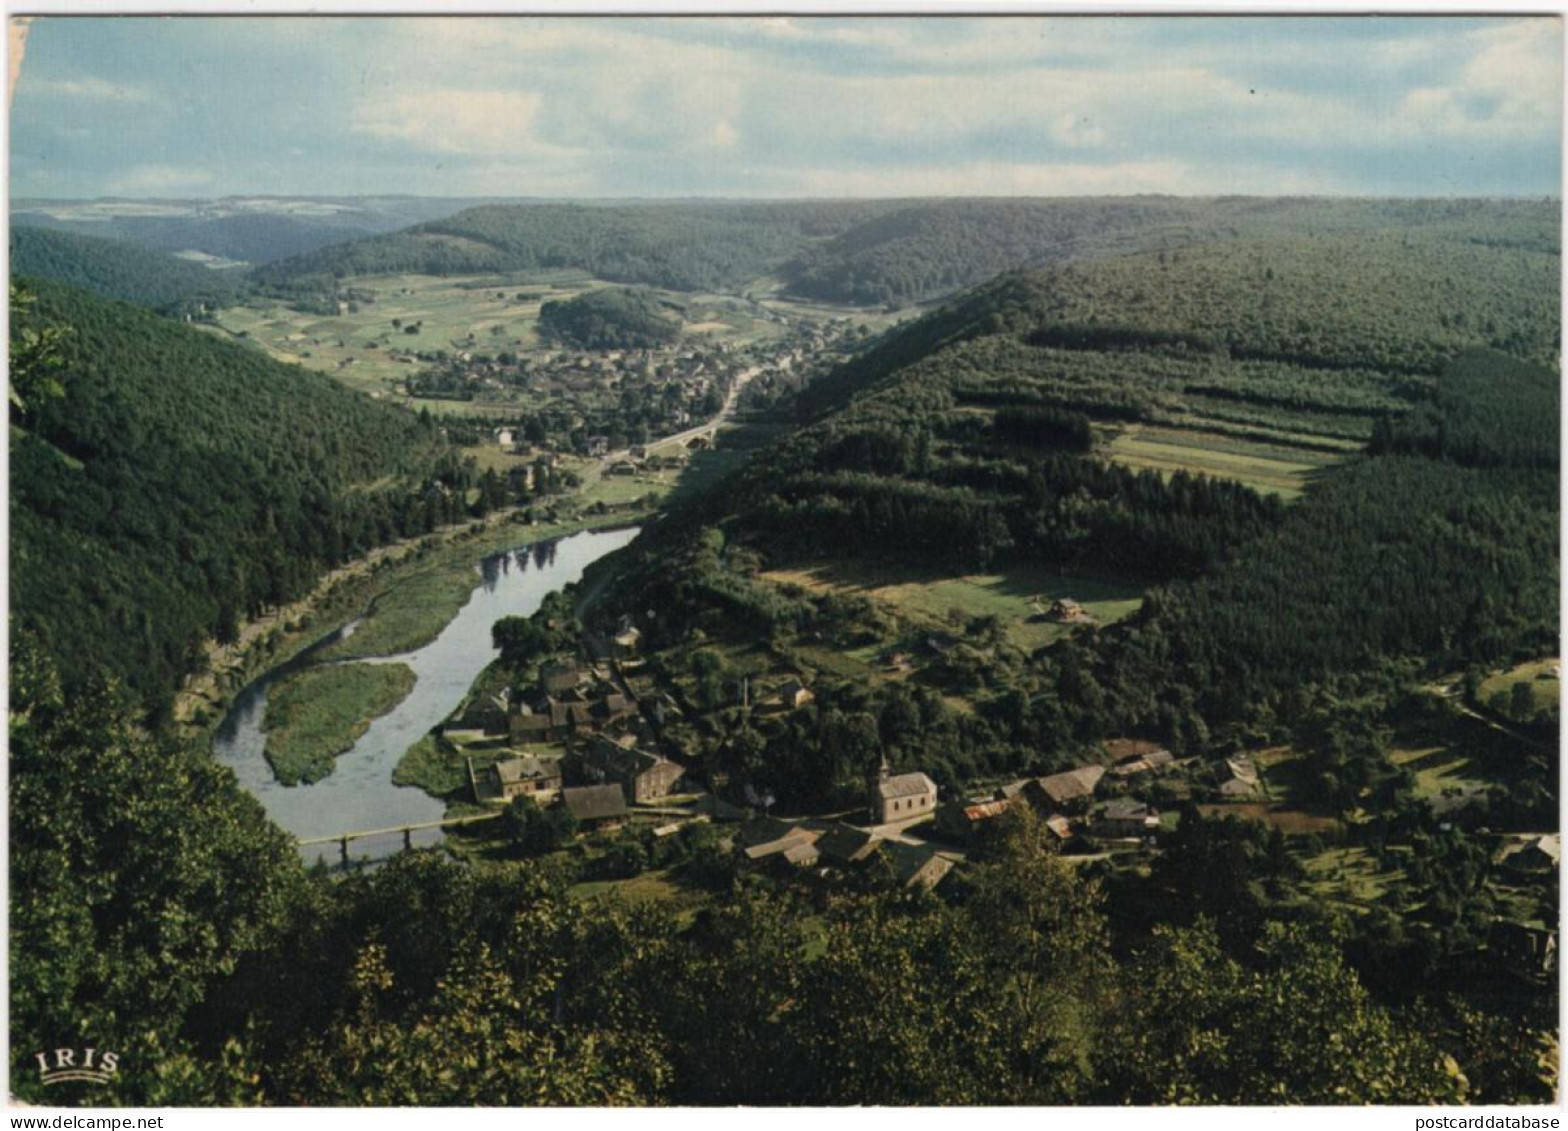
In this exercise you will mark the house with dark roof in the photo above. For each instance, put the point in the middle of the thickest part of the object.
(918, 866)
(527, 775)
(1124, 817)
(557, 679)
(845, 844)
(965, 820)
(595, 806)
(643, 775)
(1069, 792)
(768, 837)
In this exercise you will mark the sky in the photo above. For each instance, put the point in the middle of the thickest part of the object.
(752, 106)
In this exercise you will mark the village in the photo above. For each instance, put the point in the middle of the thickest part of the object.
(589, 402)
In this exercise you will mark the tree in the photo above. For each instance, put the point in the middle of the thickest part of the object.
(35, 355)
(537, 830)
(1294, 1026)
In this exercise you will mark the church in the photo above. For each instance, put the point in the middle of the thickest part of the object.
(901, 797)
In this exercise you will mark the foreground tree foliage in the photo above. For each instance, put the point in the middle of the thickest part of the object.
(225, 974)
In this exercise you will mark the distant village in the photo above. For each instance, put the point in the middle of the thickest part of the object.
(621, 395)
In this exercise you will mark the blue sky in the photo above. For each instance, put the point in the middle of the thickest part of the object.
(788, 106)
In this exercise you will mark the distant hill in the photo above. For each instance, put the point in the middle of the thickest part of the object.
(686, 246)
(931, 248)
(611, 318)
(182, 482)
(983, 439)
(115, 269)
(880, 252)
(249, 229)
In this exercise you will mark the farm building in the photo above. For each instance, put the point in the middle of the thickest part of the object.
(1537, 855)
(768, 836)
(845, 844)
(1124, 817)
(918, 866)
(528, 775)
(642, 775)
(1064, 610)
(900, 797)
(964, 820)
(1069, 792)
(1131, 756)
(595, 806)
(795, 694)
(1237, 777)
(557, 678)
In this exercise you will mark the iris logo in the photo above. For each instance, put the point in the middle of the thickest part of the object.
(74, 1066)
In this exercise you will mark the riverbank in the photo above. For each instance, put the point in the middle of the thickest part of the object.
(363, 790)
(347, 593)
(316, 714)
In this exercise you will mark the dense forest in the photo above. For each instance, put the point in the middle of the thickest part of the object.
(681, 246)
(958, 445)
(611, 319)
(114, 269)
(178, 484)
(885, 252)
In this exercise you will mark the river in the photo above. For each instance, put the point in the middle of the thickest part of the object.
(359, 793)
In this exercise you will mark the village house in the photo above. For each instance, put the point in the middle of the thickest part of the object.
(795, 694)
(1535, 855)
(1237, 777)
(917, 866)
(1124, 817)
(623, 467)
(1069, 792)
(526, 775)
(965, 820)
(645, 777)
(1064, 610)
(598, 445)
(627, 639)
(767, 837)
(901, 797)
(845, 844)
(595, 806)
(1131, 756)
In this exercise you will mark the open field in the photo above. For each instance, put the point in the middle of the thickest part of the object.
(1015, 597)
(1268, 469)
(317, 714)
(355, 345)
(482, 313)
(1539, 675)
(1349, 874)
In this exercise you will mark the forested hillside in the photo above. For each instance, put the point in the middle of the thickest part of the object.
(114, 269)
(988, 436)
(612, 318)
(179, 483)
(932, 248)
(682, 246)
(885, 252)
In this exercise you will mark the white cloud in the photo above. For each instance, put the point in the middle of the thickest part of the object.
(86, 89)
(1510, 88)
(482, 123)
(158, 179)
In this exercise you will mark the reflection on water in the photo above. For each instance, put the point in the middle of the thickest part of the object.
(359, 794)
